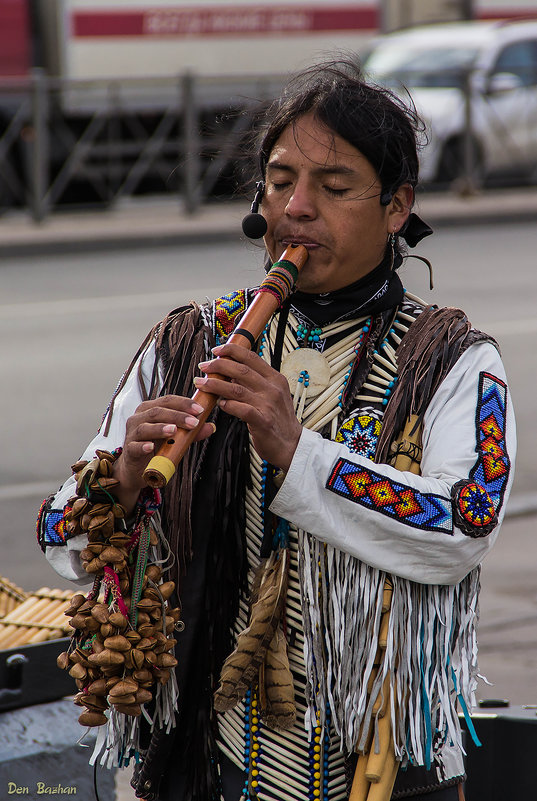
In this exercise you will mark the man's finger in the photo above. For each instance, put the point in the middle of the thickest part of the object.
(205, 431)
(226, 389)
(244, 411)
(243, 356)
(136, 451)
(146, 432)
(176, 403)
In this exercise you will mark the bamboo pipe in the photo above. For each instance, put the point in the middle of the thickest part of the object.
(28, 634)
(383, 789)
(27, 628)
(54, 595)
(7, 603)
(36, 607)
(376, 760)
(10, 596)
(360, 783)
(266, 302)
(34, 615)
(56, 627)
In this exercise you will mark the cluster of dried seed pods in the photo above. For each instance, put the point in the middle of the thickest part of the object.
(120, 650)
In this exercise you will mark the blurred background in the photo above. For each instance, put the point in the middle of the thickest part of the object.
(121, 195)
(101, 102)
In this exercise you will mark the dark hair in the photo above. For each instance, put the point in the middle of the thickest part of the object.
(371, 118)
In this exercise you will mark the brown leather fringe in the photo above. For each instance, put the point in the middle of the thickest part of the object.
(181, 344)
(427, 353)
(207, 495)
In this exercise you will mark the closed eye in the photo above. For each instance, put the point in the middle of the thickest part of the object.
(281, 186)
(335, 192)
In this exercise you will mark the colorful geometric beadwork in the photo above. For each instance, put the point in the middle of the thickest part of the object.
(475, 505)
(476, 502)
(398, 501)
(492, 467)
(226, 311)
(360, 434)
(51, 525)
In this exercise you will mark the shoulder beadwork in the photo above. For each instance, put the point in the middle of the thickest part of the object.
(225, 312)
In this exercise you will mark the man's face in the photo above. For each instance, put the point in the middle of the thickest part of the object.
(323, 193)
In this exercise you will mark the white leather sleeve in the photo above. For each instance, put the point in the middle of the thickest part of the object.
(426, 547)
(65, 557)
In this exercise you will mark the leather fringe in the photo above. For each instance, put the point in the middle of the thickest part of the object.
(181, 343)
(427, 353)
(206, 493)
(431, 654)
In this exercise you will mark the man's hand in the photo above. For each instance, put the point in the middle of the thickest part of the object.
(152, 422)
(257, 394)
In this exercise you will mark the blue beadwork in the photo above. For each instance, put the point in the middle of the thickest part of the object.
(431, 512)
(247, 743)
(307, 335)
(477, 501)
(264, 339)
(426, 511)
(356, 353)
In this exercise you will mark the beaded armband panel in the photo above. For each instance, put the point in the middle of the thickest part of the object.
(478, 499)
(51, 525)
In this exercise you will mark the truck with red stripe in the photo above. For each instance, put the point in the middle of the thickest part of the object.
(123, 60)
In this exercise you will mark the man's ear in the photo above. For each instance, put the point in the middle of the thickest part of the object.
(400, 206)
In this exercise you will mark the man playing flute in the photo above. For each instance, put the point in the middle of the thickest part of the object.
(290, 516)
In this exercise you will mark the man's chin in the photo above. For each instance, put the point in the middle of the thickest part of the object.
(315, 290)
(313, 285)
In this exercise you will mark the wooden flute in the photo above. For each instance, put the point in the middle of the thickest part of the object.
(274, 290)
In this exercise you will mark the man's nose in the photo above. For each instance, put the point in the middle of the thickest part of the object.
(301, 204)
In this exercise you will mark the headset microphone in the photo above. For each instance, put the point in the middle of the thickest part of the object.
(254, 225)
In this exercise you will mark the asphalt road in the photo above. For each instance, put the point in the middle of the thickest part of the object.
(69, 325)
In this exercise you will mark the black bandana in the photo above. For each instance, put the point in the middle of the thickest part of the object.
(377, 291)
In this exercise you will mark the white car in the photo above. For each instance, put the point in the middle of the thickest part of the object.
(497, 62)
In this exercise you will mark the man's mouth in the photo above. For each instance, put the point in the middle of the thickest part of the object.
(309, 244)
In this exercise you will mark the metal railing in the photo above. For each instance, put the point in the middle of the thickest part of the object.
(66, 141)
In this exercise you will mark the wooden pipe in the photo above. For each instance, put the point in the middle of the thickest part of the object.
(274, 290)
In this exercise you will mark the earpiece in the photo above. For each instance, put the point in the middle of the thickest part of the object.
(254, 225)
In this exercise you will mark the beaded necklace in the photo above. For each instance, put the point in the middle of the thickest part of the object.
(383, 374)
(305, 766)
(318, 376)
(293, 762)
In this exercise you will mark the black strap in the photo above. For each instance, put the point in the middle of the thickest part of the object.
(270, 489)
(276, 359)
(245, 333)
